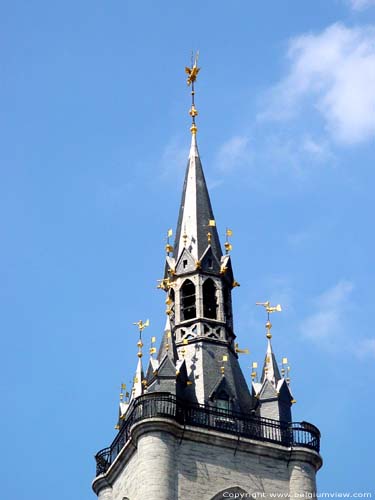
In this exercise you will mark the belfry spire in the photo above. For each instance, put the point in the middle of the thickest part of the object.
(198, 281)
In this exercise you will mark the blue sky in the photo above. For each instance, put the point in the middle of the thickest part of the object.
(94, 138)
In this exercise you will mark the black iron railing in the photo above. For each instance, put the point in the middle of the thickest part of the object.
(166, 405)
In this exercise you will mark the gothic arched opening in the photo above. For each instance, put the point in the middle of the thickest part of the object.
(209, 299)
(170, 303)
(188, 307)
(227, 305)
(231, 493)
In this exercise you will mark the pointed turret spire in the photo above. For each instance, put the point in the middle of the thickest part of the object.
(273, 392)
(196, 227)
(137, 381)
(270, 369)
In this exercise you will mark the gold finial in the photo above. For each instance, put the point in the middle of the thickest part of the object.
(285, 370)
(227, 245)
(224, 360)
(141, 326)
(211, 223)
(152, 348)
(123, 388)
(183, 350)
(169, 335)
(140, 345)
(284, 363)
(270, 309)
(168, 246)
(185, 236)
(192, 73)
(254, 374)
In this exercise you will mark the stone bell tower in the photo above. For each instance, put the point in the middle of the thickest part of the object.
(191, 428)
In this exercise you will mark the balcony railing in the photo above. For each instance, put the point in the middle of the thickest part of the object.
(166, 405)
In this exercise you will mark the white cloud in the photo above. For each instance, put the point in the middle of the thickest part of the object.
(330, 324)
(328, 321)
(333, 72)
(361, 4)
(319, 150)
(174, 159)
(233, 153)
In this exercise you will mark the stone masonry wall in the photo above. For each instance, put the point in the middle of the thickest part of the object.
(169, 467)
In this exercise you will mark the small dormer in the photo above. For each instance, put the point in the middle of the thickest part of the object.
(186, 263)
(209, 262)
(221, 397)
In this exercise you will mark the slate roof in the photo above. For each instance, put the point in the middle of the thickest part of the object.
(195, 211)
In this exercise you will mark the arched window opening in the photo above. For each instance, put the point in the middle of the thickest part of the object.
(188, 308)
(170, 303)
(233, 492)
(227, 305)
(209, 299)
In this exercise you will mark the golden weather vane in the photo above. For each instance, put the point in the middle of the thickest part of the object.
(269, 309)
(141, 326)
(192, 73)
